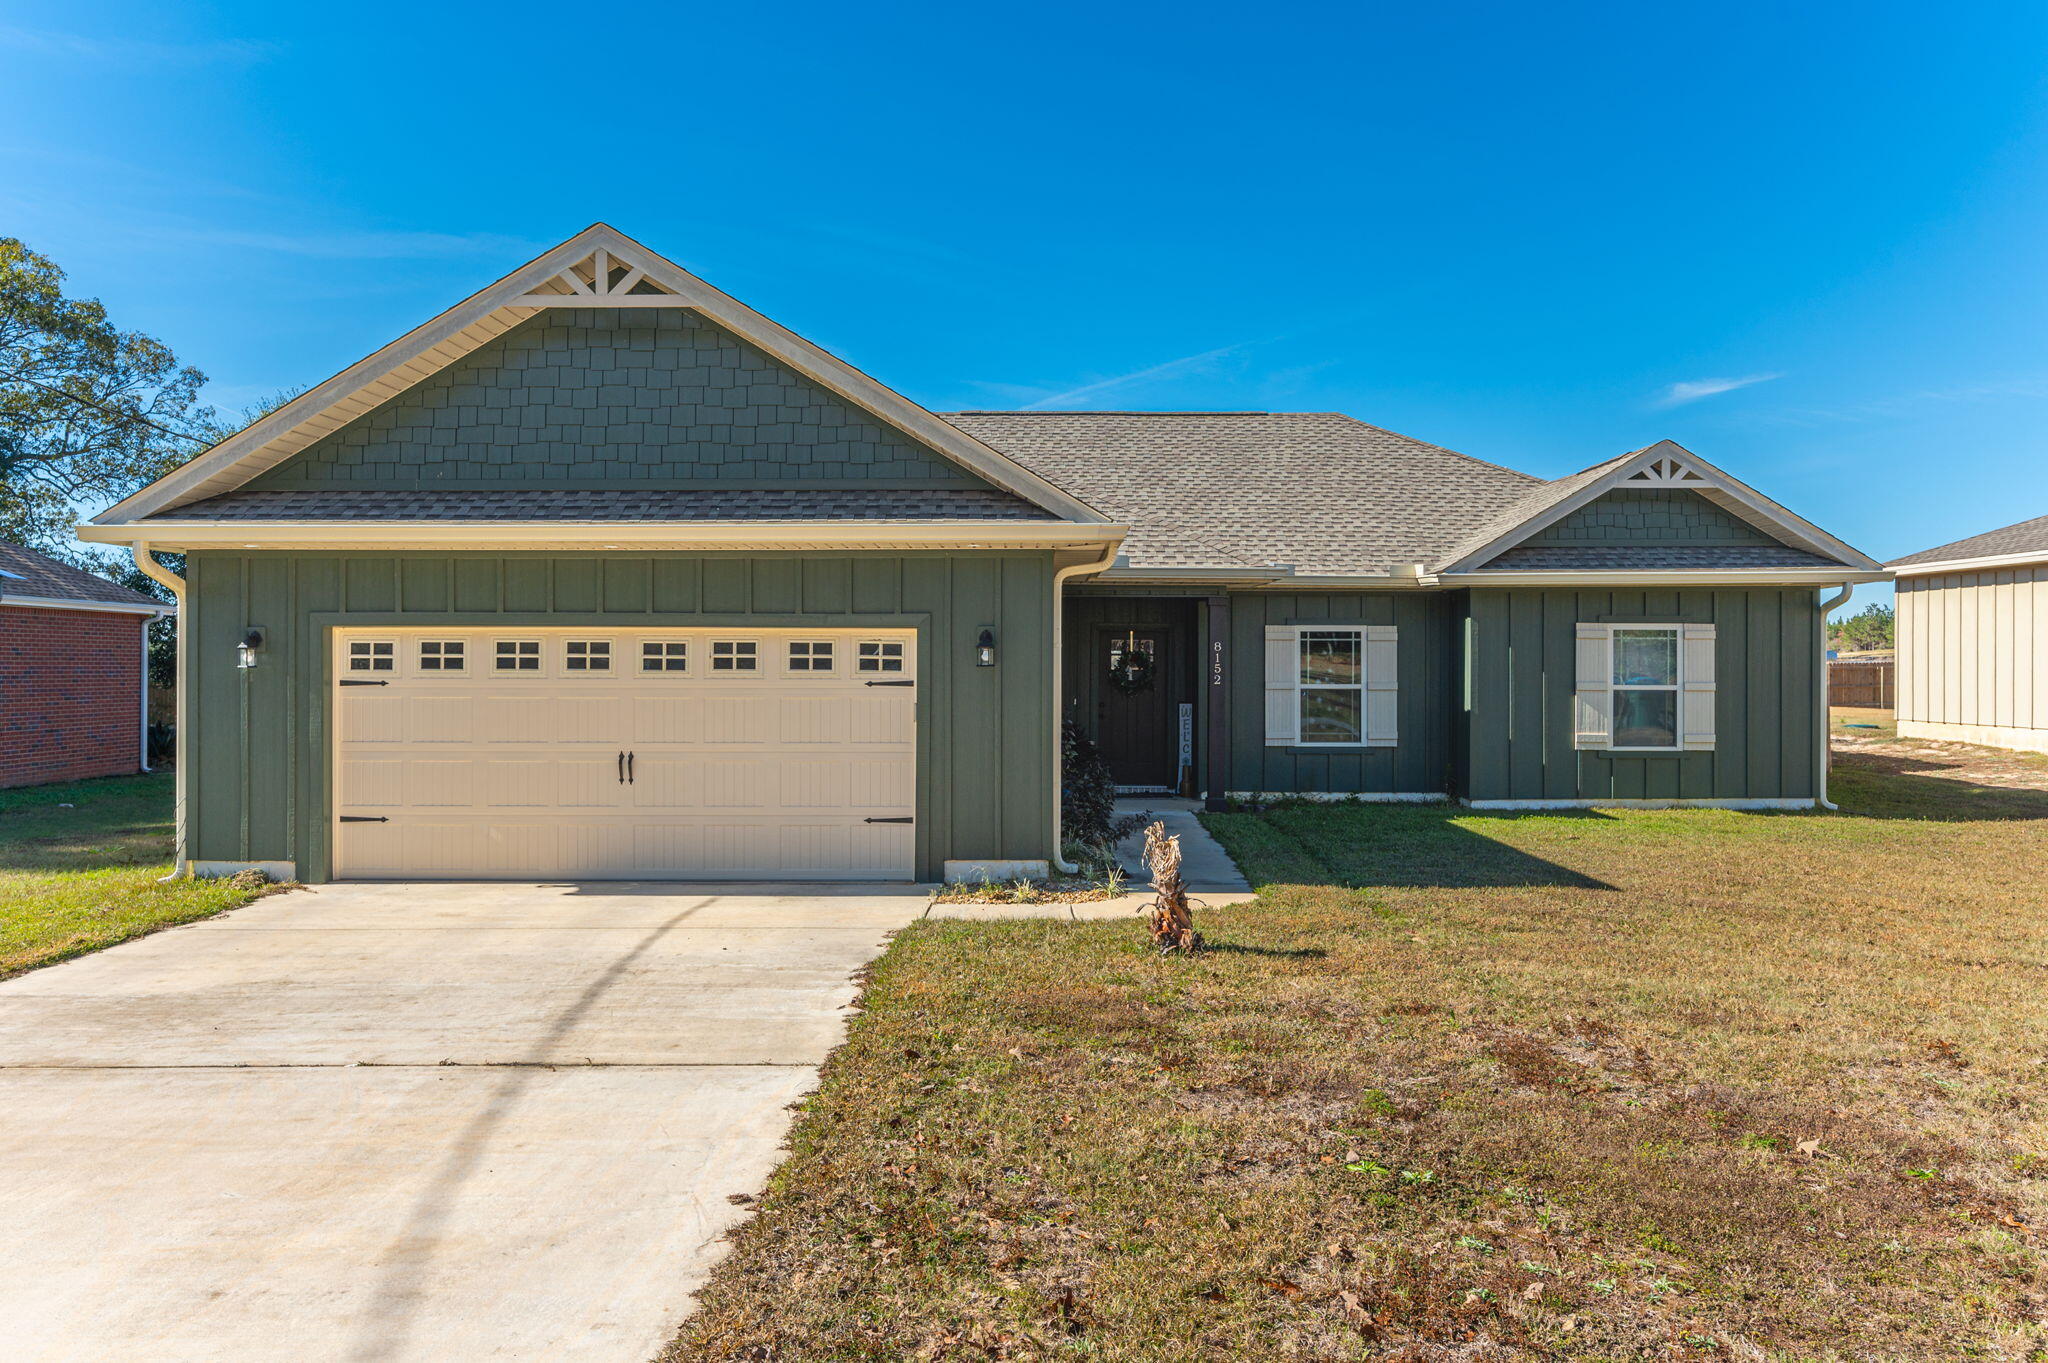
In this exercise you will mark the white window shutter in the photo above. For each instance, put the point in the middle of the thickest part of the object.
(1283, 686)
(1382, 686)
(1696, 699)
(1593, 700)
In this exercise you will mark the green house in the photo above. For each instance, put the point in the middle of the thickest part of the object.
(602, 574)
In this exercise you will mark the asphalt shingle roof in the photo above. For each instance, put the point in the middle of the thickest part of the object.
(1319, 492)
(624, 505)
(2028, 537)
(24, 572)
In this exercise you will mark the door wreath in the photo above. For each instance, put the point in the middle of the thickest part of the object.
(1131, 669)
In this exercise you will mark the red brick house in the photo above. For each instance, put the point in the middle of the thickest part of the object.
(74, 687)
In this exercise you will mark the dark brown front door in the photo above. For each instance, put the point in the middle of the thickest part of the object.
(1135, 721)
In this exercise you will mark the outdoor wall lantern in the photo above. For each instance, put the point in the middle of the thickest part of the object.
(245, 652)
(985, 649)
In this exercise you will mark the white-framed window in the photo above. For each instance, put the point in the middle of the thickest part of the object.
(1332, 686)
(1645, 687)
(1644, 677)
(442, 655)
(810, 655)
(366, 655)
(516, 655)
(587, 655)
(665, 655)
(735, 655)
(879, 655)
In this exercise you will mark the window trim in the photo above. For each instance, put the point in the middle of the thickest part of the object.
(1676, 687)
(664, 657)
(752, 657)
(1302, 688)
(609, 656)
(830, 657)
(539, 656)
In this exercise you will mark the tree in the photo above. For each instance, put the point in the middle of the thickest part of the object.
(1867, 630)
(88, 413)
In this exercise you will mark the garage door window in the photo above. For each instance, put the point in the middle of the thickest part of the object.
(441, 655)
(665, 657)
(733, 655)
(518, 655)
(367, 656)
(589, 655)
(881, 656)
(810, 655)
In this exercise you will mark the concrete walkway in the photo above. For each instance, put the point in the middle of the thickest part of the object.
(379, 1123)
(1207, 867)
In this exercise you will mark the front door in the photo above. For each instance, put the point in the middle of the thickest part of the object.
(1134, 714)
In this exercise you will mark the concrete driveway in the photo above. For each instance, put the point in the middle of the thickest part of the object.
(397, 1122)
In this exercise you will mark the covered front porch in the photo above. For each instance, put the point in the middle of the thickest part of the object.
(1145, 677)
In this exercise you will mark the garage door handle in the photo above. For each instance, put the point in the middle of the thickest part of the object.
(629, 767)
(905, 819)
(351, 681)
(365, 818)
(622, 767)
(890, 683)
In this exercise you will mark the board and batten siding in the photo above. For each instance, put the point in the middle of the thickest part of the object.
(1516, 739)
(1973, 657)
(1418, 764)
(261, 783)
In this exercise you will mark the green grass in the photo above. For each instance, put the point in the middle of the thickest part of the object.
(80, 865)
(1686, 1084)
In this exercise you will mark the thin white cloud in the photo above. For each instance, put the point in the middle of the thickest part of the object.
(1157, 371)
(1680, 393)
(132, 51)
(374, 245)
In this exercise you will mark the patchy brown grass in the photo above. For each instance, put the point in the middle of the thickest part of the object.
(1636, 1085)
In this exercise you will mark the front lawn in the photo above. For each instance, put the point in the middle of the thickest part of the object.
(1602, 1085)
(79, 869)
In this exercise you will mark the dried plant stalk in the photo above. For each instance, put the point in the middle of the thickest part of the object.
(1171, 921)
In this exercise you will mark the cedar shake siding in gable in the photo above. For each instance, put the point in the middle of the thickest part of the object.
(646, 397)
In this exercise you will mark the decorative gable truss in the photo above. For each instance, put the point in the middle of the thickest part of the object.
(600, 267)
(1665, 464)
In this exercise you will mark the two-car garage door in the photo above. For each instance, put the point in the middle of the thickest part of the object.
(644, 754)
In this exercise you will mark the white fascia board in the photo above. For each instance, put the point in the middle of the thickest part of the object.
(1969, 565)
(490, 312)
(1676, 577)
(58, 603)
(1734, 494)
(586, 535)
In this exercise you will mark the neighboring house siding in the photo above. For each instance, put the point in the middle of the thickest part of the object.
(70, 695)
(1420, 764)
(260, 737)
(1519, 736)
(1973, 657)
(615, 398)
(1650, 516)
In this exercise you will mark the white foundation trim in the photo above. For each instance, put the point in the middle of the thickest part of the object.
(1983, 735)
(276, 870)
(1343, 797)
(1772, 802)
(974, 871)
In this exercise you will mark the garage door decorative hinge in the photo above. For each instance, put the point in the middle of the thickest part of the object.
(889, 683)
(354, 681)
(365, 818)
(905, 819)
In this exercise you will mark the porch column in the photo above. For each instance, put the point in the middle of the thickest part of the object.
(1216, 686)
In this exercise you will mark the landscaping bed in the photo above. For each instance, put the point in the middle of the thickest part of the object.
(1685, 1084)
(81, 868)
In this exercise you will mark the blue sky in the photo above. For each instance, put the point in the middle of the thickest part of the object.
(1807, 243)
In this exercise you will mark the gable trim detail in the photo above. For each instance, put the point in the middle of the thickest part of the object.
(1669, 464)
(598, 267)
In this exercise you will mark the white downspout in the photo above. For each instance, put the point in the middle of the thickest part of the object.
(1059, 672)
(156, 572)
(1827, 608)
